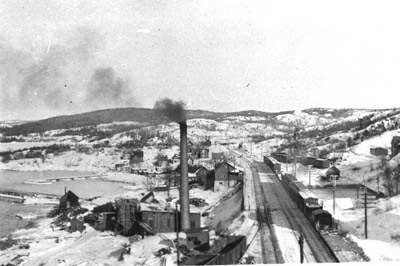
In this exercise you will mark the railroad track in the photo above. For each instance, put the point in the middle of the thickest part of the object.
(315, 248)
(271, 253)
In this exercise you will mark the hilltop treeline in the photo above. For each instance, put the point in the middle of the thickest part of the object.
(142, 115)
(84, 120)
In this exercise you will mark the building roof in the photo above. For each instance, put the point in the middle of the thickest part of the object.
(333, 171)
(234, 169)
(149, 197)
(69, 196)
(191, 168)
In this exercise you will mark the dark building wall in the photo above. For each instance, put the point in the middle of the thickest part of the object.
(395, 145)
(77, 225)
(160, 222)
(163, 222)
(69, 200)
(221, 172)
(202, 175)
(321, 163)
(127, 214)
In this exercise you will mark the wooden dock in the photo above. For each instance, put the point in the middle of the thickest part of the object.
(20, 196)
(58, 179)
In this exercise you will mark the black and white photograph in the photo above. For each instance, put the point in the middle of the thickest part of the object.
(199, 132)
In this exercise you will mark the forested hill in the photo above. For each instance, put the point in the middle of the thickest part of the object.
(143, 115)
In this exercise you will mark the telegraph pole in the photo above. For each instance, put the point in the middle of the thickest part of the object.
(334, 188)
(301, 243)
(177, 232)
(366, 217)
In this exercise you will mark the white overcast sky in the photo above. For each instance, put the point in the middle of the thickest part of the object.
(63, 57)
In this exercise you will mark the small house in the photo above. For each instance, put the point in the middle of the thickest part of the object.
(69, 200)
(136, 157)
(330, 173)
(226, 176)
(76, 225)
(378, 151)
(321, 163)
(395, 145)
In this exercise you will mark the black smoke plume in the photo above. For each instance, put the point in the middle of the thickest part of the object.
(105, 86)
(66, 75)
(174, 110)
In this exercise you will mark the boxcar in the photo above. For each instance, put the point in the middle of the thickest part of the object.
(322, 219)
(273, 164)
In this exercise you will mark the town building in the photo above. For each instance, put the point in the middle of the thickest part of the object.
(69, 200)
(76, 225)
(164, 221)
(330, 173)
(395, 145)
(226, 176)
(321, 163)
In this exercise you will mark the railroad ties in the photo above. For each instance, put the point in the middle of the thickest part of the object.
(288, 222)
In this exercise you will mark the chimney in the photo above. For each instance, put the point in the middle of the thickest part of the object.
(184, 189)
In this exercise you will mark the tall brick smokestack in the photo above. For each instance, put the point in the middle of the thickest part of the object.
(184, 192)
(176, 112)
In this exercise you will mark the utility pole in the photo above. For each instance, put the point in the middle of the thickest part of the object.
(169, 184)
(177, 232)
(301, 243)
(287, 154)
(366, 217)
(334, 188)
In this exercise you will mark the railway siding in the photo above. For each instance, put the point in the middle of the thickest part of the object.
(286, 215)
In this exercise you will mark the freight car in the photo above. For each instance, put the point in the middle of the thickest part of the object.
(273, 164)
(307, 202)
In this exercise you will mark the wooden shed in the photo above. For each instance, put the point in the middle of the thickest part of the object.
(126, 215)
(69, 200)
(76, 225)
(321, 163)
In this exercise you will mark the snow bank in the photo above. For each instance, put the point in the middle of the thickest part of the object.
(378, 250)
(383, 141)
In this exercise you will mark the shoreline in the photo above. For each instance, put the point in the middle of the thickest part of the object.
(9, 241)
